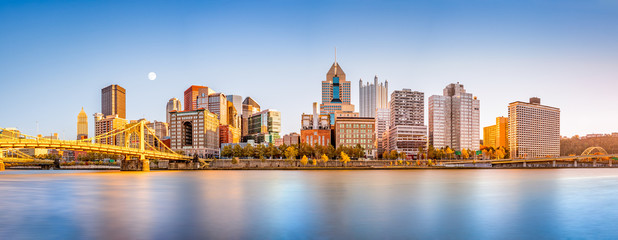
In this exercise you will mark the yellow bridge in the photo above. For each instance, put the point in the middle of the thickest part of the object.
(138, 142)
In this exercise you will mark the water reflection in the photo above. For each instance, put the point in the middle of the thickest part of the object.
(472, 204)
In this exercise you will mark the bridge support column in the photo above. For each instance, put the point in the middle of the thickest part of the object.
(610, 162)
(594, 163)
(575, 163)
(524, 164)
(553, 164)
(1, 166)
(145, 164)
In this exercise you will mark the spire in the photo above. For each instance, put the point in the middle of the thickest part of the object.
(335, 61)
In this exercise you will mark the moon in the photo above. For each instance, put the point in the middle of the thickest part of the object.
(152, 76)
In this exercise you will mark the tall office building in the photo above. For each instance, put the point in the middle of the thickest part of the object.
(407, 132)
(382, 125)
(195, 133)
(82, 125)
(534, 129)
(110, 123)
(336, 94)
(194, 94)
(161, 129)
(264, 126)
(454, 119)
(249, 107)
(372, 97)
(172, 105)
(237, 101)
(217, 104)
(113, 101)
(497, 135)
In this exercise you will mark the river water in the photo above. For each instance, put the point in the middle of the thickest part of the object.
(352, 204)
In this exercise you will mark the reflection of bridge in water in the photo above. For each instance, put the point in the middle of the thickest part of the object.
(139, 143)
(588, 158)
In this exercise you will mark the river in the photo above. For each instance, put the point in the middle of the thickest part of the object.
(352, 204)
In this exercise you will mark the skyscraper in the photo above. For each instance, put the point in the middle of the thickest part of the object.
(336, 94)
(407, 131)
(172, 104)
(249, 107)
(237, 101)
(195, 93)
(82, 125)
(372, 97)
(113, 101)
(497, 135)
(454, 119)
(264, 126)
(534, 129)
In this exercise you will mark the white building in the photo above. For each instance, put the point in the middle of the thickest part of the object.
(372, 97)
(407, 131)
(534, 129)
(172, 105)
(454, 119)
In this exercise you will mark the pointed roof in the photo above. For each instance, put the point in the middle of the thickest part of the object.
(82, 113)
(331, 72)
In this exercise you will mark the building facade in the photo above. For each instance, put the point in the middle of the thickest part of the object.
(382, 125)
(454, 119)
(172, 105)
(489, 136)
(497, 135)
(108, 124)
(249, 107)
(336, 94)
(161, 129)
(113, 101)
(534, 129)
(352, 131)
(195, 133)
(407, 131)
(315, 128)
(193, 94)
(291, 139)
(264, 126)
(82, 125)
(372, 97)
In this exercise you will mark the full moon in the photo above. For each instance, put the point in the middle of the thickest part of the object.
(152, 76)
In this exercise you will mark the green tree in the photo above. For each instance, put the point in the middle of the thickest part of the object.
(227, 151)
(248, 151)
(237, 151)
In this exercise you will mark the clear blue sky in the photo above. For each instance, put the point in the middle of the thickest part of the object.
(55, 56)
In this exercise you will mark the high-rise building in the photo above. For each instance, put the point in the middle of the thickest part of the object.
(454, 119)
(249, 107)
(195, 93)
(195, 133)
(382, 125)
(315, 128)
(82, 125)
(217, 104)
(264, 126)
(489, 136)
(497, 135)
(109, 124)
(161, 129)
(113, 101)
(237, 101)
(407, 131)
(172, 105)
(534, 129)
(372, 97)
(336, 94)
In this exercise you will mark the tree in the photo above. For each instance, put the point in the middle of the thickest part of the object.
(235, 160)
(324, 158)
(291, 153)
(403, 155)
(227, 151)
(465, 153)
(393, 155)
(449, 152)
(314, 162)
(304, 160)
(259, 151)
(344, 158)
(247, 151)
(237, 151)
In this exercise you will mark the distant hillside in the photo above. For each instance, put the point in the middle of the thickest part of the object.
(576, 145)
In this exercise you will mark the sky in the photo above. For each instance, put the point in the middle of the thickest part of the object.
(56, 56)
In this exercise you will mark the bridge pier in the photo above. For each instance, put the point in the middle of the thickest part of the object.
(610, 162)
(575, 163)
(525, 164)
(553, 164)
(1, 166)
(594, 163)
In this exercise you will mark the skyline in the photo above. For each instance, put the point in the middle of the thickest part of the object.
(275, 51)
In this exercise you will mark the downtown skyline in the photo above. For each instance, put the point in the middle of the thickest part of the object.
(570, 66)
